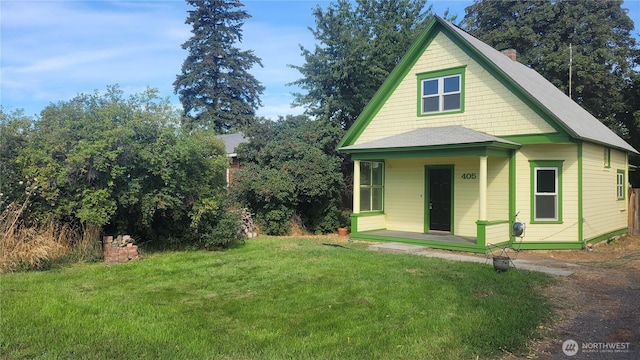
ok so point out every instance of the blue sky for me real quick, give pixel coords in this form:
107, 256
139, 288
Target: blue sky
52, 50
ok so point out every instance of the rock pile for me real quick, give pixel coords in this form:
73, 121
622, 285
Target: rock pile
247, 227
119, 250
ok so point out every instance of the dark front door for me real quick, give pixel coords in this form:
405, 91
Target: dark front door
439, 199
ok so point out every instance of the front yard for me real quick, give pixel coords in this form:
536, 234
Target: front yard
271, 298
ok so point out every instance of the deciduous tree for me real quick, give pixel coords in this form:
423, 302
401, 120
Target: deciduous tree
599, 33
358, 46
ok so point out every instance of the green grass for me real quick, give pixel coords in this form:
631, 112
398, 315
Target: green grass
272, 298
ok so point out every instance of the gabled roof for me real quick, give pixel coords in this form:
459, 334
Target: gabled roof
231, 142
559, 108
429, 137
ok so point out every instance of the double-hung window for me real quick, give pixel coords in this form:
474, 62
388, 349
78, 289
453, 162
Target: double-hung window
546, 191
620, 184
371, 185
441, 91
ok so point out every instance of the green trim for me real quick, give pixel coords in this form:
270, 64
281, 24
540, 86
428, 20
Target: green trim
436, 26
556, 245
391, 83
455, 150
367, 213
354, 224
460, 70
534, 139
451, 167
580, 194
481, 232
624, 182
493, 222
552, 164
427, 243
512, 192
608, 235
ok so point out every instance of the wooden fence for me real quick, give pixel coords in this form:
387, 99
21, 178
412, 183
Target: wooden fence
634, 211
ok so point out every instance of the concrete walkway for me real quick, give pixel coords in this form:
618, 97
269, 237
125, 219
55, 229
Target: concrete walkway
556, 268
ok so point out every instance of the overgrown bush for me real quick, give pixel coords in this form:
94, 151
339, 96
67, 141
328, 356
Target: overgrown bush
227, 231
289, 168
125, 165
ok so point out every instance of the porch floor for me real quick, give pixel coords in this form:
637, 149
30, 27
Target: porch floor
430, 236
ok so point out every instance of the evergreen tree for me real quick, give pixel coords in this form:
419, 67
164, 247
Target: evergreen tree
358, 46
215, 87
541, 31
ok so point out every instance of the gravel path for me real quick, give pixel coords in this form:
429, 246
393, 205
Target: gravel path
598, 307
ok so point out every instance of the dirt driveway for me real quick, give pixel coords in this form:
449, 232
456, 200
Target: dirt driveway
598, 307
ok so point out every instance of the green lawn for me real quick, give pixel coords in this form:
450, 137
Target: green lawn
273, 298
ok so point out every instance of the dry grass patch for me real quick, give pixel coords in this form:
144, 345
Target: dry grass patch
38, 245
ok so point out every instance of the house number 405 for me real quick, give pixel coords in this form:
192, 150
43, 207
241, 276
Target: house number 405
469, 176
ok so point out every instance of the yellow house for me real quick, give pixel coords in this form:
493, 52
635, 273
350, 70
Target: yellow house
462, 139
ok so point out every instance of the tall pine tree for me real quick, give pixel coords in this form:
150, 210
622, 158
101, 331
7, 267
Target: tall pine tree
215, 87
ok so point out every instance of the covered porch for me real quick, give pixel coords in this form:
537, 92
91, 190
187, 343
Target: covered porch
445, 187
440, 240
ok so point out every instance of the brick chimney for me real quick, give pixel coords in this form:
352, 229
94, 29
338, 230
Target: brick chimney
511, 53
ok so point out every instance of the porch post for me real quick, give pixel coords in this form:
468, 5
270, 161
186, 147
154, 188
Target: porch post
356, 186
482, 191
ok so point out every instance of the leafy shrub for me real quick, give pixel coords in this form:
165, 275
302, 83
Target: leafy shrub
125, 165
290, 167
227, 230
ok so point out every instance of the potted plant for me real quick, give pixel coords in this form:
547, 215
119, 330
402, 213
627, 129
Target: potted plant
345, 218
343, 231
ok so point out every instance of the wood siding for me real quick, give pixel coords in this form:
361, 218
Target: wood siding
602, 211
404, 195
489, 106
567, 230
374, 222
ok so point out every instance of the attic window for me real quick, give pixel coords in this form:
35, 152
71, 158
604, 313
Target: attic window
441, 91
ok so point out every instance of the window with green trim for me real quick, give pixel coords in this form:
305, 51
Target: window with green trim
546, 191
441, 91
607, 157
371, 185
620, 184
